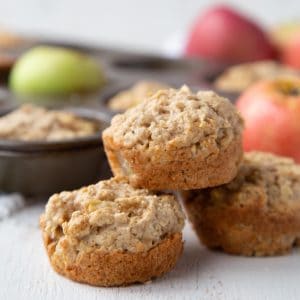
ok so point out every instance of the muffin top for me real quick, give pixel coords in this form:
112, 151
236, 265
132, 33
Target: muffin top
239, 77
135, 95
111, 215
32, 123
264, 180
174, 119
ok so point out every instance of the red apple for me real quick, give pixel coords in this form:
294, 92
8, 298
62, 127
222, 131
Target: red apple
225, 35
271, 110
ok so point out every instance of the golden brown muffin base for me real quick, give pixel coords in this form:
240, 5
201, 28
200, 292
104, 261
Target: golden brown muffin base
101, 268
249, 231
177, 169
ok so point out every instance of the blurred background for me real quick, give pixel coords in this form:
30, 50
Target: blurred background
104, 57
148, 26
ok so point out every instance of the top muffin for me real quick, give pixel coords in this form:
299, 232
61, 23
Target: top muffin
177, 133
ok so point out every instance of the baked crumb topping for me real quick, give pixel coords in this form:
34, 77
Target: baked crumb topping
32, 123
111, 215
263, 179
135, 95
176, 119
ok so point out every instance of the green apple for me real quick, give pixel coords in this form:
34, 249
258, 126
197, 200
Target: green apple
50, 71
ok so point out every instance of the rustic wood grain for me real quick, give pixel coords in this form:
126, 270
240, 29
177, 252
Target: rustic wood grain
201, 274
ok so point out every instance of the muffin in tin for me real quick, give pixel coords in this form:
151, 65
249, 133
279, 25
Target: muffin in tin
256, 214
176, 140
135, 95
33, 123
110, 234
237, 78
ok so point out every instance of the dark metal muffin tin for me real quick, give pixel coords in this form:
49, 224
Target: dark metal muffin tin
42, 168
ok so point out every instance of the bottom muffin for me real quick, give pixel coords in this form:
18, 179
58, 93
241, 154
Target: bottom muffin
256, 214
110, 234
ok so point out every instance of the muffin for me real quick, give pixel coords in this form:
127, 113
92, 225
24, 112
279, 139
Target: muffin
34, 123
237, 78
176, 140
110, 234
135, 95
256, 214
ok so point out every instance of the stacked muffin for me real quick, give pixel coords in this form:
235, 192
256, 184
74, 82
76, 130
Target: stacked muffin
126, 230
176, 140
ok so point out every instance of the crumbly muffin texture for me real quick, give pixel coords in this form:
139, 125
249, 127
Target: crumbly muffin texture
171, 118
110, 216
135, 95
239, 77
258, 213
176, 140
276, 178
32, 123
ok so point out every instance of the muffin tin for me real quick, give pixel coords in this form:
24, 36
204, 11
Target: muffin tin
38, 169
42, 168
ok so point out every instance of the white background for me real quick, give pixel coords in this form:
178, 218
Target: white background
130, 24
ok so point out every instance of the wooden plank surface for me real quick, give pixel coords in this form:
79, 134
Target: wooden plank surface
200, 274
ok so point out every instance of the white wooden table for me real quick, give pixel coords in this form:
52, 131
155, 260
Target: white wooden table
200, 274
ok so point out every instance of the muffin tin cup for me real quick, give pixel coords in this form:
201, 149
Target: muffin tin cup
39, 169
